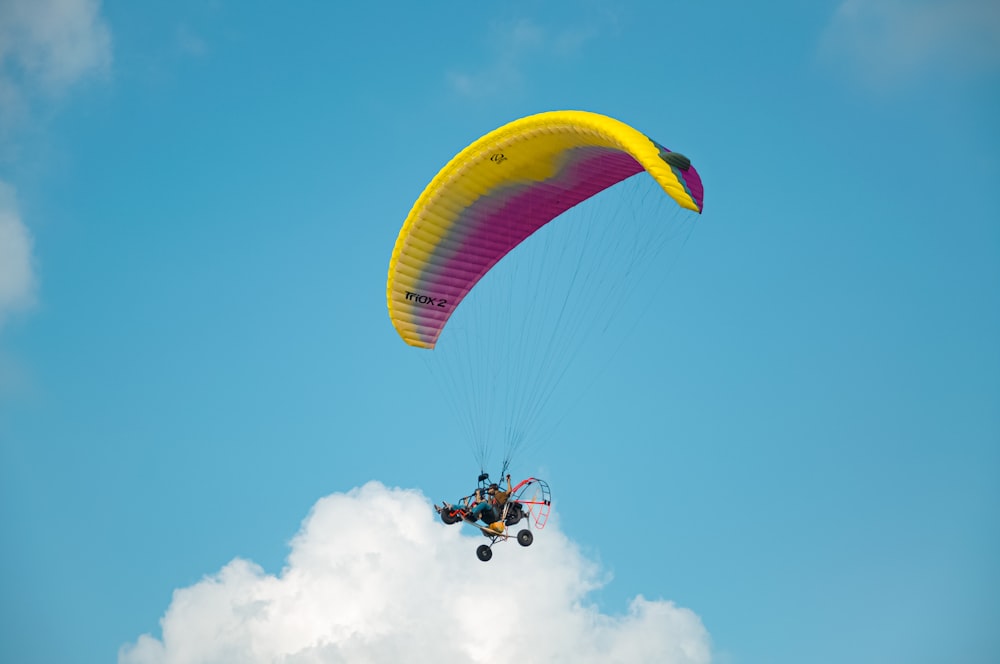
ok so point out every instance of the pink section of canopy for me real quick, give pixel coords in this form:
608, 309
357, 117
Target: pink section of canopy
488, 229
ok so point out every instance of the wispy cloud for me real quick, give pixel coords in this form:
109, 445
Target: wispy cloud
891, 41
374, 577
17, 280
189, 42
512, 46
48, 45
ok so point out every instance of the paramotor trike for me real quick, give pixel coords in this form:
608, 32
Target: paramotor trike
528, 501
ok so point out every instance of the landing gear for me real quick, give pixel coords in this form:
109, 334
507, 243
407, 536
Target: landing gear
525, 538
484, 552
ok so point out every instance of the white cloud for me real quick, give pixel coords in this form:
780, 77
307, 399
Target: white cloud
892, 40
46, 46
373, 576
17, 282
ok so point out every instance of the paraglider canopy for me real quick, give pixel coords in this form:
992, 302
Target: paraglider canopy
500, 190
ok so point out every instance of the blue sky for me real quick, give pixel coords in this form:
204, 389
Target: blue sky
794, 458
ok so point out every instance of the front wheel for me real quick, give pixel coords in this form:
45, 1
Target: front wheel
484, 552
449, 518
525, 538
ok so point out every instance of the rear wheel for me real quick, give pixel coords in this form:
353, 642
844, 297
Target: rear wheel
525, 538
484, 552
